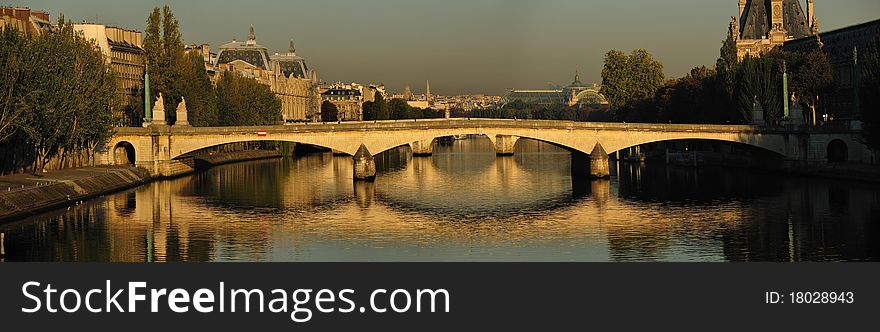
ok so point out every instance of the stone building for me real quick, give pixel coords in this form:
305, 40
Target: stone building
842, 46
574, 94
348, 99
123, 50
765, 24
31, 22
286, 75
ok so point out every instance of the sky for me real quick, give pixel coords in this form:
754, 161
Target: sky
461, 46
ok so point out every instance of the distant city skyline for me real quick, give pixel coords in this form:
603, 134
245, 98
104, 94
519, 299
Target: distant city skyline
462, 47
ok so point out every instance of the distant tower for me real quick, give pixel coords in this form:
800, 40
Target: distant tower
291, 49
428, 91
407, 92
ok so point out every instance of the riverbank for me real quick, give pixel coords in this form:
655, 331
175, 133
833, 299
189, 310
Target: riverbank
27, 194
23, 195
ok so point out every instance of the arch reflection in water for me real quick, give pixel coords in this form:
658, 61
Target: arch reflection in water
461, 204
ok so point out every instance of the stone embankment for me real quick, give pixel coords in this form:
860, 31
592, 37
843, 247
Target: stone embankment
22, 195
26, 194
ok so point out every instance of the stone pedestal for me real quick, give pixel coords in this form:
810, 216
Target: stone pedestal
599, 163
757, 114
504, 145
364, 165
422, 148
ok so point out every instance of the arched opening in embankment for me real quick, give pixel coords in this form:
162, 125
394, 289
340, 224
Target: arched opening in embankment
124, 154
837, 151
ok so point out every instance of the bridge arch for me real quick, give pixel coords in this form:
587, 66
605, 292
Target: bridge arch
758, 146
124, 153
196, 148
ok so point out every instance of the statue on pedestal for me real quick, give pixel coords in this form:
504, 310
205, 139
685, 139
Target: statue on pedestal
159, 111
181, 114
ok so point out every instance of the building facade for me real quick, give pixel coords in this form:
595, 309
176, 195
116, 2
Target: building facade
576, 94
31, 22
348, 99
122, 48
766, 24
842, 46
287, 76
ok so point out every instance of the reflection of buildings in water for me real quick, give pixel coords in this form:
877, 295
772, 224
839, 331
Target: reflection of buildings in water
812, 220
421, 209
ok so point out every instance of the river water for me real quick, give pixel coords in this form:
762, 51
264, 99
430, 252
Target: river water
462, 204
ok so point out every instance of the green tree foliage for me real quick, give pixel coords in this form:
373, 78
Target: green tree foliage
518, 109
760, 80
690, 99
615, 80
870, 94
727, 67
329, 112
630, 83
13, 48
243, 101
201, 101
380, 108
396, 109
64, 96
811, 76
369, 110
163, 47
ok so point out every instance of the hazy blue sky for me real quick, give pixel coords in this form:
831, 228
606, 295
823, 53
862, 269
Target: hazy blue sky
462, 46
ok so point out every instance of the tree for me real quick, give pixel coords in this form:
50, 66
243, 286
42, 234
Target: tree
329, 112
812, 77
201, 102
399, 109
760, 79
615, 80
164, 52
727, 66
153, 52
369, 110
12, 55
68, 93
243, 101
647, 75
631, 82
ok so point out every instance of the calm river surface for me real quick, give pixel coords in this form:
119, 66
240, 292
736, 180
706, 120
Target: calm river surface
462, 204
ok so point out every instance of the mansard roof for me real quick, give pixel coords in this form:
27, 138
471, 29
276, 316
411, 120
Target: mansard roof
756, 20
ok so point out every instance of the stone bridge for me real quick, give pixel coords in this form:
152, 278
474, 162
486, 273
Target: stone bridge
160, 148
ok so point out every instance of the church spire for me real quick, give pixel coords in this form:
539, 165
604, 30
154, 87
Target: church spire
291, 49
251, 35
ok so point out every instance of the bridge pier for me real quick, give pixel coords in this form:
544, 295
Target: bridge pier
504, 144
422, 148
364, 165
599, 162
